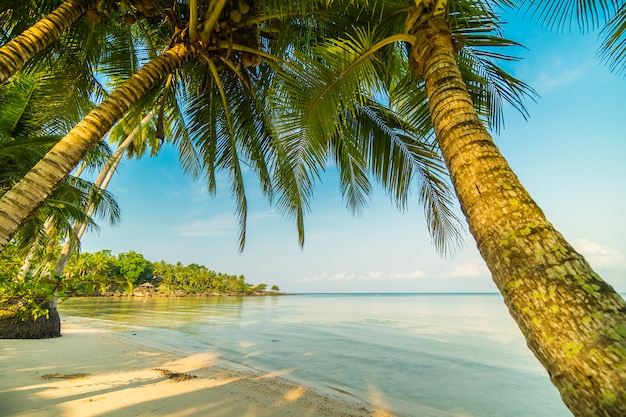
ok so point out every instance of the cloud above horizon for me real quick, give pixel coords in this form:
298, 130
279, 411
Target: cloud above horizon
216, 226
370, 276
599, 255
471, 269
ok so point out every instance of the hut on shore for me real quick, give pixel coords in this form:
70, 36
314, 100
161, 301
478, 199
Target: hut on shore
145, 290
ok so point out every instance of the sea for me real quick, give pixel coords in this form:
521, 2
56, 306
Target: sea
414, 355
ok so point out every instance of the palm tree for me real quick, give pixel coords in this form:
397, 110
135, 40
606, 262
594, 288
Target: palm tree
27, 44
102, 182
225, 62
573, 321
138, 130
22, 142
74, 146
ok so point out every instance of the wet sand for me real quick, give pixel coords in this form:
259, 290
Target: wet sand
90, 372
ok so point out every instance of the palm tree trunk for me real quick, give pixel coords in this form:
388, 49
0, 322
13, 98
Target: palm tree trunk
43, 327
572, 320
28, 194
101, 182
19, 50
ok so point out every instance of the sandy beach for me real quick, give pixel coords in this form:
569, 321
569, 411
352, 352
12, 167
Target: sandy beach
90, 372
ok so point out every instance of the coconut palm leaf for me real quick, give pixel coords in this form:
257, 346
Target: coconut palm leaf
613, 50
588, 15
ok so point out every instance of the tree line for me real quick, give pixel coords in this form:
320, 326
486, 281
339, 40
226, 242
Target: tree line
102, 273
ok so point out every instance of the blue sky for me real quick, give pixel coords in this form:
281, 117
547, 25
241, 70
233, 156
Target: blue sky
569, 155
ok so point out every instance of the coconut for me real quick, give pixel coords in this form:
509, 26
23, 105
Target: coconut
244, 6
94, 16
236, 16
129, 19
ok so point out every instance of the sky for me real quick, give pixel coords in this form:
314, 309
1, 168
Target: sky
570, 155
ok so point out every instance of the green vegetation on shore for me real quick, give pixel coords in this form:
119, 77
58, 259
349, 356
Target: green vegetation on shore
102, 273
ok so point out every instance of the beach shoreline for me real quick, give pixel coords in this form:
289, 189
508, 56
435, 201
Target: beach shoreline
95, 372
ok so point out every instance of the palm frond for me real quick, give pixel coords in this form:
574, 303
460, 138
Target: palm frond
613, 50
402, 155
104, 205
491, 87
559, 15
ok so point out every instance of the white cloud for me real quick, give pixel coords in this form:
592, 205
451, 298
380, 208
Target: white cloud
217, 226
370, 276
597, 254
471, 269
265, 214
409, 275
558, 73
548, 82
343, 276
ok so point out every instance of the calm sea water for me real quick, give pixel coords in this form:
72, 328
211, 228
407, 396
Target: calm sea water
418, 355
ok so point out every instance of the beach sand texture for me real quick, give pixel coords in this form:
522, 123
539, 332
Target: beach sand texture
89, 372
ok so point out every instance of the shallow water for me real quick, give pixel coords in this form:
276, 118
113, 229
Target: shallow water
413, 354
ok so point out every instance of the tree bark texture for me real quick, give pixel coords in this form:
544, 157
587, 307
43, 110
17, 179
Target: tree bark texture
24, 46
30, 192
572, 320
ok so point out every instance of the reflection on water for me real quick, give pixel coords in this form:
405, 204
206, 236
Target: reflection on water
444, 355
165, 312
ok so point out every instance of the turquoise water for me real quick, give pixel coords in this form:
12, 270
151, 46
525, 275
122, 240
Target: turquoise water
417, 355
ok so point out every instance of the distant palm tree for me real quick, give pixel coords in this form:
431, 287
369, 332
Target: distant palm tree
573, 321
102, 182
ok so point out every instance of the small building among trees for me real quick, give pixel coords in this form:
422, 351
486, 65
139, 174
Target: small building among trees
145, 290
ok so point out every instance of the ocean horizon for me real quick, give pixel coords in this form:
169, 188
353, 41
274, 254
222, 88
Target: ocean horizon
413, 354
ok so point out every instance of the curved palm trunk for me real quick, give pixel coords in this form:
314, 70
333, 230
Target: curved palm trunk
101, 182
27, 195
572, 320
79, 228
19, 50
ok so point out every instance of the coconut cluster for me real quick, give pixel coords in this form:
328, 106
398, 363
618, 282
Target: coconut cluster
236, 26
143, 9
133, 10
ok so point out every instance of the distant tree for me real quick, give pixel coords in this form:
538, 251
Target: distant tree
91, 273
194, 279
275, 288
259, 287
134, 268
